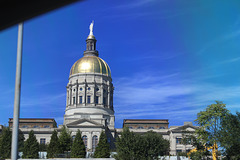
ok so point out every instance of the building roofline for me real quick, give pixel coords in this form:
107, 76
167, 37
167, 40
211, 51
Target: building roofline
146, 119
35, 118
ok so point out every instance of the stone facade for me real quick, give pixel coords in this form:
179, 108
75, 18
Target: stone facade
42, 127
34, 123
175, 138
146, 123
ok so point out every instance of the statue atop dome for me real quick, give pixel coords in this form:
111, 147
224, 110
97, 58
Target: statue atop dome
91, 28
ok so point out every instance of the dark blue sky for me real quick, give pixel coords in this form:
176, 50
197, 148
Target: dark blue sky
169, 59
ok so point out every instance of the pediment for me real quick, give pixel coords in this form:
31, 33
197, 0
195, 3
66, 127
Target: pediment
189, 128
85, 123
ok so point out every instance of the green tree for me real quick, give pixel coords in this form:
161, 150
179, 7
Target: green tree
103, 148
230, 136
190, 137
78, 149
132, 146
201, 151
197, 155
65, 140
21, 139
43, 147
154, 145
128, 146
5, 143
210, 122
53, 147
31, 146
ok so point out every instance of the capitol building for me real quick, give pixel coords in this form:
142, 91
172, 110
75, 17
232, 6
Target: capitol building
90, 108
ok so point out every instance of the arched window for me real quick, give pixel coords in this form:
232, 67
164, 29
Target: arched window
150, 127
161, 127
140, 127
94, 142
130, 127
84, 138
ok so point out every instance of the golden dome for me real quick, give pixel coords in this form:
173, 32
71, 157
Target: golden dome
90, 64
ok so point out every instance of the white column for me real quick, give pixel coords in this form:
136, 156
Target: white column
69, 101
172, 144
76, 99
70, 95
109, 97
67, 98
94, 94
101, 97
85, 93
90, 141
101, 90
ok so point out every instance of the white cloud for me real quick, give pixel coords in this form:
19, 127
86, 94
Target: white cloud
42, 100
220, 40
150, 89
161, 14
156, 93
230, 60
169, 96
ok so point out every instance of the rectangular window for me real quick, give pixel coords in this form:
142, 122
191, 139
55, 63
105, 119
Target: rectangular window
42, 141
104, 100
178, 140
88, 99
97, 98
80, 99
74, 100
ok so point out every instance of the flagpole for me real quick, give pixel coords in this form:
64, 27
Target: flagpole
14, 153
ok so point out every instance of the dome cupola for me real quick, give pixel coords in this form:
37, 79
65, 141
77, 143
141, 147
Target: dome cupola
90, 62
